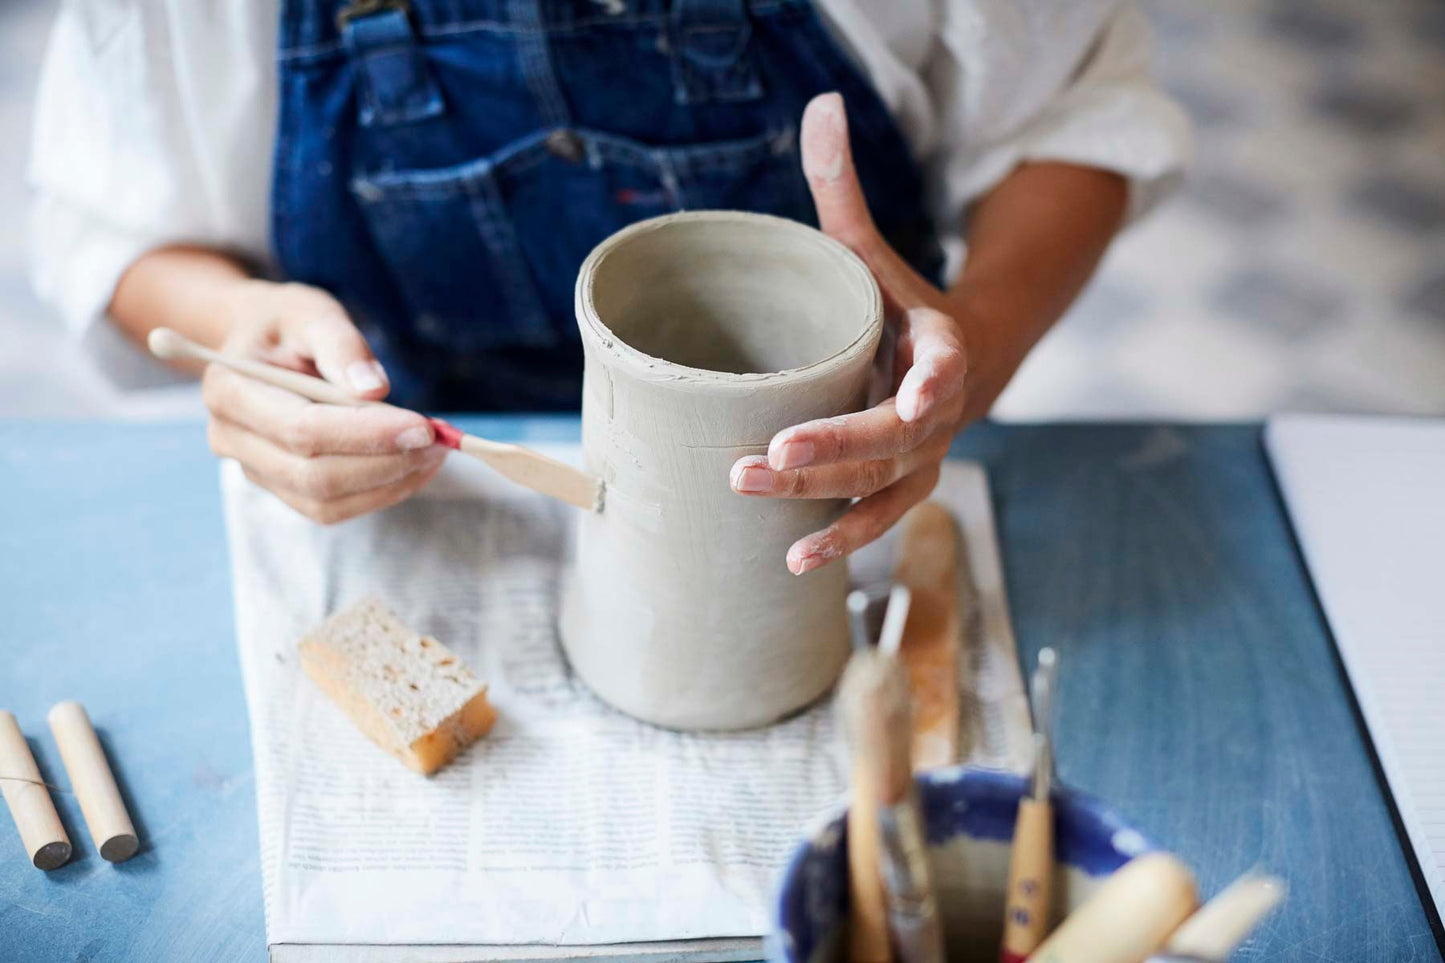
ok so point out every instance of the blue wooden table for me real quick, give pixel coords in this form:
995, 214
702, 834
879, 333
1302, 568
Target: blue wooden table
1201, 693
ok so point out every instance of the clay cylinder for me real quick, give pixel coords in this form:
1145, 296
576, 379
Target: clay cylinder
705, 334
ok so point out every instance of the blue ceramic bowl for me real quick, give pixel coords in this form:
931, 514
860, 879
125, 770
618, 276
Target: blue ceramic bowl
970, 817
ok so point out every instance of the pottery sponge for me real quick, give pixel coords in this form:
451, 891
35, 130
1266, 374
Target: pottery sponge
410, 694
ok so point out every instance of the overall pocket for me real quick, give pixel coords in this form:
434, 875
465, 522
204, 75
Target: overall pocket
585, 185
486, 254
454, 256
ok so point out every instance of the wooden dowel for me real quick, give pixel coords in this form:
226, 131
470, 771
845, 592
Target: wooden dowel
1223, 922
93, 783
40, 829
1128, 917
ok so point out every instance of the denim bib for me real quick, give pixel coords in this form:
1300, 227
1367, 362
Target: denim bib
444, 166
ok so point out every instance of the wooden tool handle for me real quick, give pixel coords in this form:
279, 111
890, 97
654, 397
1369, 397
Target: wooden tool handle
168, 344
932, 646
867, 903
1128, 917
40, 829
1224, 922
93, 782
1030, 881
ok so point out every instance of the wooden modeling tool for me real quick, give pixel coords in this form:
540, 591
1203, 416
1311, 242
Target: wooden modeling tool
1224, 922
932, 645
868, 921
526, 467
1128, 917
1029, 897
44, 837
94, 784
876, 705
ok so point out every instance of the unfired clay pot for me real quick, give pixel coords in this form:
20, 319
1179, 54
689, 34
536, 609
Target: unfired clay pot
706, 333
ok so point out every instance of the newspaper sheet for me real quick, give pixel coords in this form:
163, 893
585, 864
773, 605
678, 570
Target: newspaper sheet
570, 824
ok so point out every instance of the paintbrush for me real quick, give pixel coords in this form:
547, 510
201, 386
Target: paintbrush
876, 704
1029, 896
526, 467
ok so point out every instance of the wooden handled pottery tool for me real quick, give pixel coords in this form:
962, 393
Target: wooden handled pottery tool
1224, 922
527, 468
876, 704
1029, 897
1128, 917
930, 563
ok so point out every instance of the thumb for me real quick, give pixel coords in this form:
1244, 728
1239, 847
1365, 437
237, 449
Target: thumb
842, 208
342, 356
828, 166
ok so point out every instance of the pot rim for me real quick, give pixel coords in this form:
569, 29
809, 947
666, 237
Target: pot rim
651, 368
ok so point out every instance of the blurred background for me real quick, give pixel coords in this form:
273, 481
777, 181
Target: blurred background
1301, 268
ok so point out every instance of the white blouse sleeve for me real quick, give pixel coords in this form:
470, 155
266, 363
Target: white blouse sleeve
141, 106
1073, 85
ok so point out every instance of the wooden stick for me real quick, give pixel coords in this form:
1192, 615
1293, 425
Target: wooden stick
1128, 917
1224, 922
526, 467
1028, 908
876, 705
94, 784
932, 644
1028, 899
30, 806
868, 911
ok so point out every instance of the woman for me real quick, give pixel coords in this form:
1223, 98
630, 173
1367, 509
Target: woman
425, 177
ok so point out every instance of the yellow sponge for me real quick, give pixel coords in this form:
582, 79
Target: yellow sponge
408, 693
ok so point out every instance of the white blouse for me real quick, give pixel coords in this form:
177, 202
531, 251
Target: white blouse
155, 117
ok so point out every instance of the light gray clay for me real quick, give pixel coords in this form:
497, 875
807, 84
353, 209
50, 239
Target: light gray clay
705, 333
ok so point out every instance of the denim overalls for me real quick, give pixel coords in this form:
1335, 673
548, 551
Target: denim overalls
444, 166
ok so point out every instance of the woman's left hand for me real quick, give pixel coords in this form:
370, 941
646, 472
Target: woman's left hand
945, 375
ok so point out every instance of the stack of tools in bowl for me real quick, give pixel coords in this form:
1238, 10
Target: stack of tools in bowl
973, 865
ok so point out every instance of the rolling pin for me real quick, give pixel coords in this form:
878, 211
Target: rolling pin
526, 467
35, 817
1128, 918
93, 782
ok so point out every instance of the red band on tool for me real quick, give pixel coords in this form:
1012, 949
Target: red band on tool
448, 435
1006, 956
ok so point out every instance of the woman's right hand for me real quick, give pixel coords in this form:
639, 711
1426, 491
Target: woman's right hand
329, 462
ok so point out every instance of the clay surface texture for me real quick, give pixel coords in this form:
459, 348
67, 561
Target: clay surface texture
706, 333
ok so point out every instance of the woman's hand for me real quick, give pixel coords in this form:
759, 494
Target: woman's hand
946, 373
328, 462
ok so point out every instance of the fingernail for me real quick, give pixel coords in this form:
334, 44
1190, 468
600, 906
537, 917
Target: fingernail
366, 376
907, 406
805, 564
752, 478
792, 454
808, 563
417, 436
